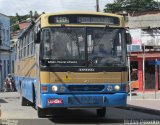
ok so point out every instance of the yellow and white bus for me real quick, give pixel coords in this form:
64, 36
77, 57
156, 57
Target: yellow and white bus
73, 60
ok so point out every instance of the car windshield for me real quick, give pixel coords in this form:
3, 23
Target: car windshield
82, 47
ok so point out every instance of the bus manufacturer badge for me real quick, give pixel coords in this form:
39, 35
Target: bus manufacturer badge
86, 69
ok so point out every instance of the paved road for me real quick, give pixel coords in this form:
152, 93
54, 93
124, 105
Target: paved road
14, 113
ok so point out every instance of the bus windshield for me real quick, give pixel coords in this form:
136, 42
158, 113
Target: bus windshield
105, 46
83, 46
64, 46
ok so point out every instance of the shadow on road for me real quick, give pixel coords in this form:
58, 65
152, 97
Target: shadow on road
89, 117
86, 121
3, 101
141, 109
78, 116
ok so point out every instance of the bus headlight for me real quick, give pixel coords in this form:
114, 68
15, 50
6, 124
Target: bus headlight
54, 88
117, 87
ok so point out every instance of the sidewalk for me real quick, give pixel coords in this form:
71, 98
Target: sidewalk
145, 106
149, 104
144, 96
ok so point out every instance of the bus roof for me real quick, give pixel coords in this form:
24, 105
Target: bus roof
81, 12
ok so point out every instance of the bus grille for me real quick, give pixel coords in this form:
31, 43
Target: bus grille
86, 87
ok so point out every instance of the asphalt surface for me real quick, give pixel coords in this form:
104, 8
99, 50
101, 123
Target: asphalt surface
136, 112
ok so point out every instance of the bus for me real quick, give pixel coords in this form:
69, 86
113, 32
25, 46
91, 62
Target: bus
73, 60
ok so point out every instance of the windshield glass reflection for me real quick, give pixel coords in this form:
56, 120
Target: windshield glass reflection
67, 47
104, 46
64, 46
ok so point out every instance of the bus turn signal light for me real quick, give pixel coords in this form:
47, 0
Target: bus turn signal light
44, 88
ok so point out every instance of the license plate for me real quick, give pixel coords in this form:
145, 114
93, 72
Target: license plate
54, 101
85, 100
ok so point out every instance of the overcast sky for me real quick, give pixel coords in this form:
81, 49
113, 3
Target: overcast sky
22, 7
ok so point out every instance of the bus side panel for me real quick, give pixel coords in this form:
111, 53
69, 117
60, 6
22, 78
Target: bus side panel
17, 83
28, 87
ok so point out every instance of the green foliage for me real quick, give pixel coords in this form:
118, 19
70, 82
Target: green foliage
30, 14
18, 17
36, 15
14, 20
131, 6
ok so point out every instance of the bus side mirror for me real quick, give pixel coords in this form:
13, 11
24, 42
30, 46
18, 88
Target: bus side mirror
128, 38
37, 37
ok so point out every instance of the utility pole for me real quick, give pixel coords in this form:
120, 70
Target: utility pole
158, 5
143, 56
97, 5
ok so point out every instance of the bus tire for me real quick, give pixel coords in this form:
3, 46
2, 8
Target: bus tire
41, 112
101, 112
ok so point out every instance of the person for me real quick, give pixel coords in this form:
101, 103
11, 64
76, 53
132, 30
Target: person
134, 73
9, 83
97, 57
102, 49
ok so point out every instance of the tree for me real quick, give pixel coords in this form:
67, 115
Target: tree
36, 15
131, 6
18, 17
13, 22
30, 14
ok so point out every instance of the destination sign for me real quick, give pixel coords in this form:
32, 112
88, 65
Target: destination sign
107, 20
83, 19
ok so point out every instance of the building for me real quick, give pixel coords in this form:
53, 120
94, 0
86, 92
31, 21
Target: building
145, 33
14, 39
6, 58
15, 34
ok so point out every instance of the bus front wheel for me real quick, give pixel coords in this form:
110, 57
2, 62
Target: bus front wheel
41, 112
101, 112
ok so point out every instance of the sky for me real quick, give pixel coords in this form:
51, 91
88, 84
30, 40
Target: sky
22, 7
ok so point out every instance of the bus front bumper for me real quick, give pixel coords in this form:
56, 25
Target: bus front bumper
83, 100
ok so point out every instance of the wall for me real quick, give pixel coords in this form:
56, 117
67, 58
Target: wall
5, 57
148, 37
151, 39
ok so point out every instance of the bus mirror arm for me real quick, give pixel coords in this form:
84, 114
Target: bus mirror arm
37, 37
